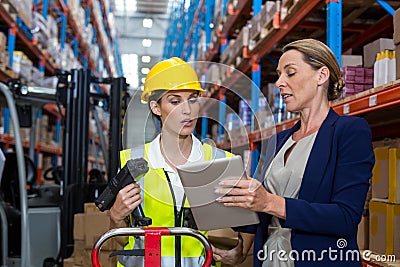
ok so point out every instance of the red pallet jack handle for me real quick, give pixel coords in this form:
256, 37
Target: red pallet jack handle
152, 236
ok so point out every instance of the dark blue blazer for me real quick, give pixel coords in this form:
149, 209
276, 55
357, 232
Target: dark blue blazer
325, 217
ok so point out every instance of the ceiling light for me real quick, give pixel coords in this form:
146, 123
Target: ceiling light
146, 42
145, 71
187, 4
146, 59
147, 23
143, 80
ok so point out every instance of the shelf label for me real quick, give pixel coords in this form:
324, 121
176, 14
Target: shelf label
283, 127
346, 108
372, 100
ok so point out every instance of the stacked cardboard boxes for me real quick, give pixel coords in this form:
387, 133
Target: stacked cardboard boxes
357, 79
4, 56
373, 48
88, 227
384, 207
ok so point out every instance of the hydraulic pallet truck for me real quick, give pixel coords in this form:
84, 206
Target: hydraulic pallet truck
152, 235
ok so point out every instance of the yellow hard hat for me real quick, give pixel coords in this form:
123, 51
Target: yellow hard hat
170, 74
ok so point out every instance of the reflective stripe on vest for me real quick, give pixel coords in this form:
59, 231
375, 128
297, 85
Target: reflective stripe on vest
158, 204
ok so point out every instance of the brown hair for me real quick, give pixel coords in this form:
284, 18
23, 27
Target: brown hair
318, 55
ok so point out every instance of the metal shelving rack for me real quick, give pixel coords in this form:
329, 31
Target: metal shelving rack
373, 100
68, 32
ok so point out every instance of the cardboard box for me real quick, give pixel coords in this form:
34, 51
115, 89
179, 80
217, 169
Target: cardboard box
96, 224
3, 41
377, 227
79, 251
396, 27
223, 238
394, 175
352, 60
363, 233
393, 230
384, 235
380, 173
397, 49
79, 226
70, 262
91, 208
371, 49
105, 260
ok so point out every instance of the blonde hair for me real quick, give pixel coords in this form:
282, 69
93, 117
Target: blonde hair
318, 55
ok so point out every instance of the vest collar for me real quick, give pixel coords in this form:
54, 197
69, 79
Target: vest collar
156, 159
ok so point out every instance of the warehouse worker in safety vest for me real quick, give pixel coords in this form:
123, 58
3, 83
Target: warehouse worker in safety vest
171, 90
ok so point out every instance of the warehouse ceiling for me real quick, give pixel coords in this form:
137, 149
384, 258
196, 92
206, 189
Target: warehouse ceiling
144, 6
152, 6
141, 25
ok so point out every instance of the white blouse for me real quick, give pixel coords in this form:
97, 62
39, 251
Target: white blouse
284, 179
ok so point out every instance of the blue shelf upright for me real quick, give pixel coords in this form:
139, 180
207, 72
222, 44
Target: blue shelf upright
255, 93
334, 28
12, 31
174, 28
208, 14
181, 29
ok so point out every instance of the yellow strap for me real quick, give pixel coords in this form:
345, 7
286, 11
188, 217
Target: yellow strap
158, 205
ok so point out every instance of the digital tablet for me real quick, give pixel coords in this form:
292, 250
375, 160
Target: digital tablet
200, 180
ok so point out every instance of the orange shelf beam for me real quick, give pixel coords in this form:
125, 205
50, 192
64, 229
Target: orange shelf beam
371, 100
9, 140
374, 99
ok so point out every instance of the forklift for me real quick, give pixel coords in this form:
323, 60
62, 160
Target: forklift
37, 230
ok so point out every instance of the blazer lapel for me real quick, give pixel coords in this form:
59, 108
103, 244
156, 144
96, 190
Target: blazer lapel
318, 159
283, 138
275, 143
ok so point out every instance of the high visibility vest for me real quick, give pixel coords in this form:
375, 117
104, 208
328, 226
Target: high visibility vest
158, 204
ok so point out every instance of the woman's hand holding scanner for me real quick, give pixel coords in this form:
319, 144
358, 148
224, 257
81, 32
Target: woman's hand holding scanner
233, 256
128, 199
250, 194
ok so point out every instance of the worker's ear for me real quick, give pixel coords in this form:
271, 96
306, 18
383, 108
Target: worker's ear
155, 108
323, 75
